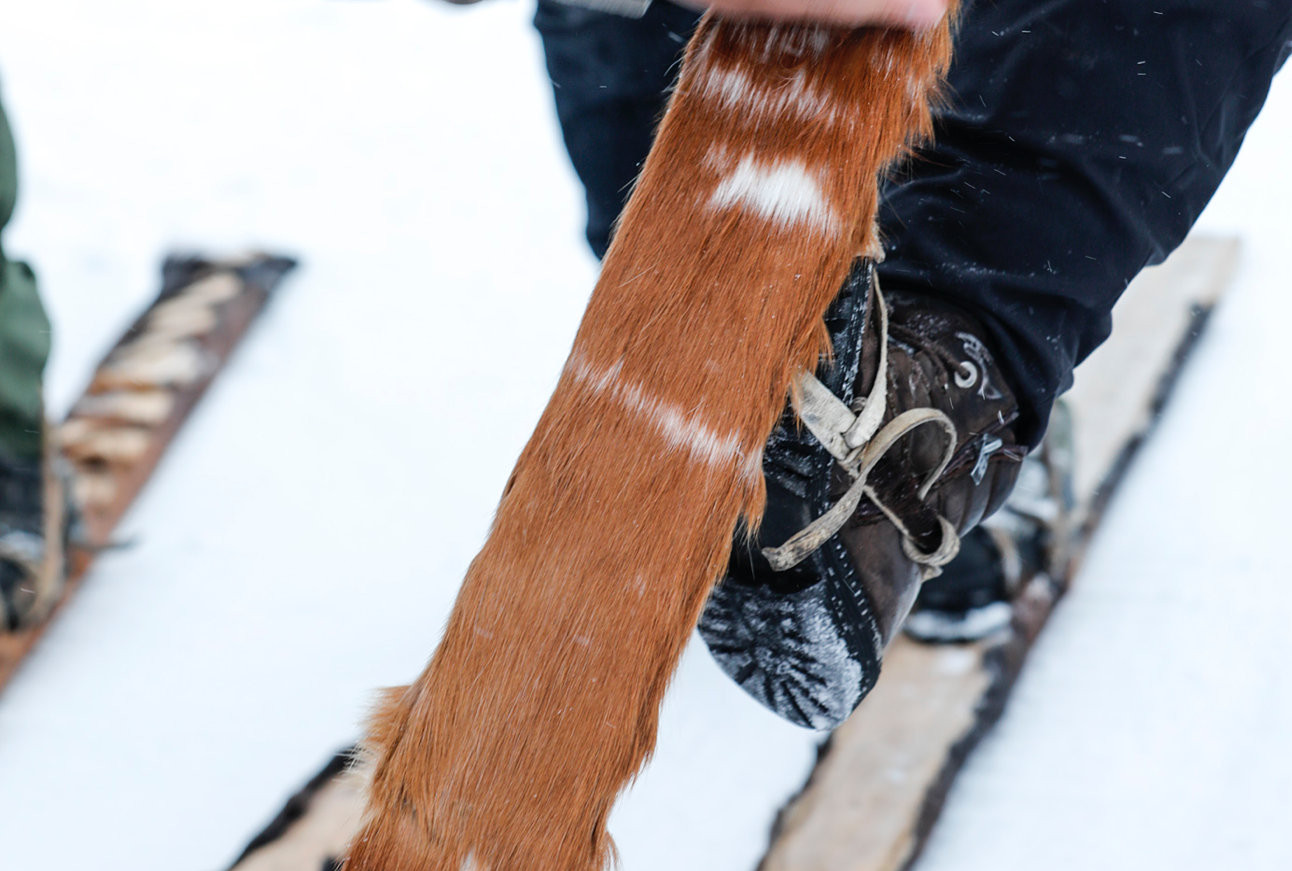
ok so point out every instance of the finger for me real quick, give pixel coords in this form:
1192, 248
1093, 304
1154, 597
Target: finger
914, 14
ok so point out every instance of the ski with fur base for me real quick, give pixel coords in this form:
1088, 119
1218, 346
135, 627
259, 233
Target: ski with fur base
139, 397
861, 810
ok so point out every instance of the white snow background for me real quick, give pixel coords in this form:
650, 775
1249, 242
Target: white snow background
301, 544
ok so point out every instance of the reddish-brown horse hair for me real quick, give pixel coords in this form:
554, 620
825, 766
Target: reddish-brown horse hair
542, 700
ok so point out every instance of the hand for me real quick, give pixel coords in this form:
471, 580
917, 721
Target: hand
915, 14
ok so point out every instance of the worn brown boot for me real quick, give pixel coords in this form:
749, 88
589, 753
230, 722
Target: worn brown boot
901, 442
1032, 534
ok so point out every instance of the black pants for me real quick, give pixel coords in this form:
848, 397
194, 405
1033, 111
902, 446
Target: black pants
1082, 141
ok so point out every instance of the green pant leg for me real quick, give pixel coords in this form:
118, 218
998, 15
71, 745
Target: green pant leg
24, 329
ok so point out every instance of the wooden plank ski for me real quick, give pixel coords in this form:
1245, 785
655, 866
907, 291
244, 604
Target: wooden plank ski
314, 826
140, 395
875, 793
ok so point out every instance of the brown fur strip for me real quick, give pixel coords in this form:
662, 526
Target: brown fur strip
542, 700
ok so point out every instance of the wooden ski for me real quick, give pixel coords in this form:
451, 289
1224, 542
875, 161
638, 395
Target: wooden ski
139, 396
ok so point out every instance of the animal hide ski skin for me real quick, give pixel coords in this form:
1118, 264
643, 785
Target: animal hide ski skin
541, 702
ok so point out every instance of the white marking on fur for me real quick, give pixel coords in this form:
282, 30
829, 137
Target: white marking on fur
796, 40
773, 39
819, 40
885, 61
798, 94
734, 90
680, 430
753, 468
731, 87
717, 158
785, 194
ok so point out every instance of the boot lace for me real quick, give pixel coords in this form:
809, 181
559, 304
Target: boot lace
858, 443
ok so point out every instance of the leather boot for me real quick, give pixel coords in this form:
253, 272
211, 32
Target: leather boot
902, 441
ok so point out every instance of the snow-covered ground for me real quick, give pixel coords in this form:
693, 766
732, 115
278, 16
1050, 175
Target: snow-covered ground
302, 542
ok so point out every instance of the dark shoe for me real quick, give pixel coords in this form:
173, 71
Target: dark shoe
1030, 536
866, 498
972, 599
33, 538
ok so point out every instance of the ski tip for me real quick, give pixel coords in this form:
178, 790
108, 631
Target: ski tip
258, 268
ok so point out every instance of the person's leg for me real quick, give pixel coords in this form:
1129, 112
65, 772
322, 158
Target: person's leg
32, 523
24, 330
1081, 142
610, 76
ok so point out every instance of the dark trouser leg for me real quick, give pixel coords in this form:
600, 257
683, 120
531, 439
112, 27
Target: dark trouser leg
609, 75
1083, 139
24, 331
